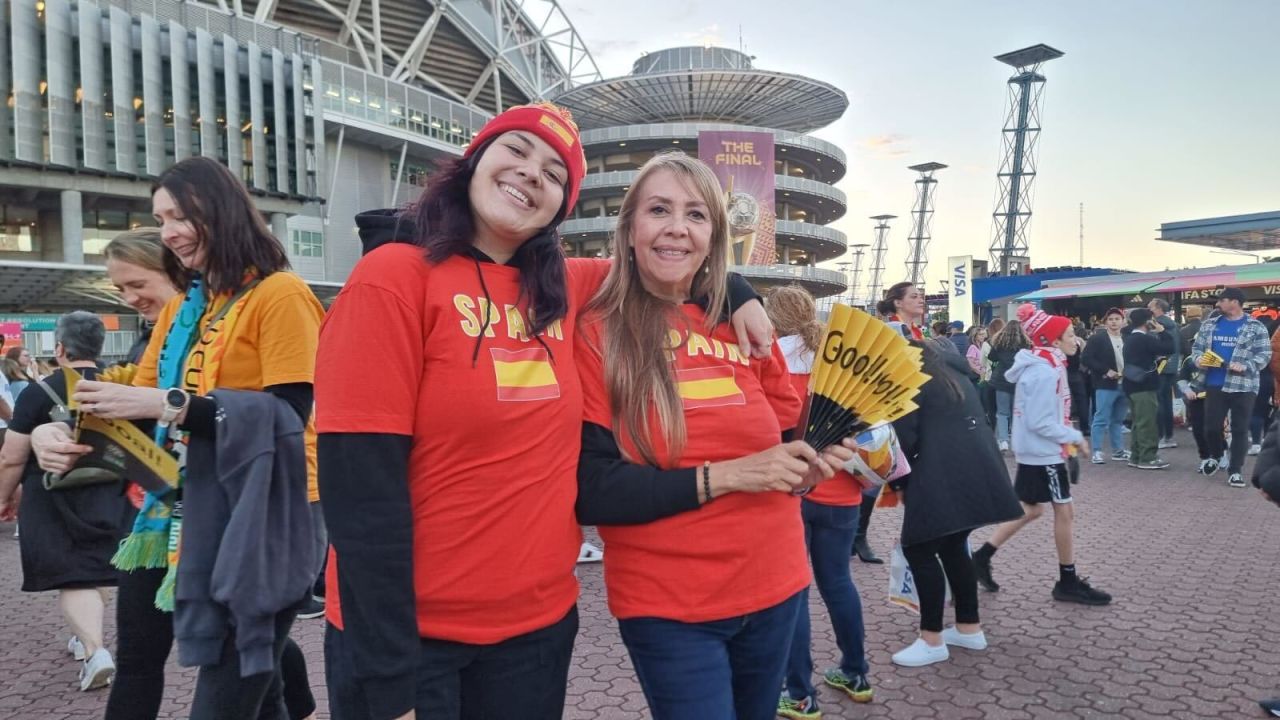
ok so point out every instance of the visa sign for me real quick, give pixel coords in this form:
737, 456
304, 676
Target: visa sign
959, 302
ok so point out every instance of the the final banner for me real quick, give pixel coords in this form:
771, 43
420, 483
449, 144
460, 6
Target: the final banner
743, 161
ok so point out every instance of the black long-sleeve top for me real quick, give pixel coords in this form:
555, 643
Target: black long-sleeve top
1143, 350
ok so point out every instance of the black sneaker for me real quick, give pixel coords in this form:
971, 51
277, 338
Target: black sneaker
982, 568
313, 609
1271, 706
1079, 592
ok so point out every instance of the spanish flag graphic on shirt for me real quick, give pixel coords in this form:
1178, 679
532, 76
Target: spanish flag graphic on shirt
524, 375
709, 387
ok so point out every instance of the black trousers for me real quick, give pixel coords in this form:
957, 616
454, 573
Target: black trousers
522, 678
1195, 418
928, 561
221, 694
1217, 405
144, 639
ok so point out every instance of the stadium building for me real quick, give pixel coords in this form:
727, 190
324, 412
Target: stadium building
715, 104
324, 108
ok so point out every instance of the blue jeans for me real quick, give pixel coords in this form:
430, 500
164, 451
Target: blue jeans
727, 669
1109, 410
828, 530
1004, 411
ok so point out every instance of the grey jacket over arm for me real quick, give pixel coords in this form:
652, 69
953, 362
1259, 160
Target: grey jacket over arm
247, 550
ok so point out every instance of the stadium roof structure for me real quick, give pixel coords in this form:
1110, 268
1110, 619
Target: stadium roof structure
1243, 233
489, 54
705, 84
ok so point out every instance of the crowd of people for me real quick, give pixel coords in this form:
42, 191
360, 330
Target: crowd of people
522, 396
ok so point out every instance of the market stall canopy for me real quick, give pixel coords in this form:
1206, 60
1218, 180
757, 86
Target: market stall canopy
1256, 232
1113, 285
1182, 281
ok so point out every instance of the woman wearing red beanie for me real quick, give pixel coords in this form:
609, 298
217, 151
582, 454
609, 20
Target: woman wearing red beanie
448, 478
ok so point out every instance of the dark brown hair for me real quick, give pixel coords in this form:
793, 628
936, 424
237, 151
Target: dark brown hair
893, 294
445, 227
228, 226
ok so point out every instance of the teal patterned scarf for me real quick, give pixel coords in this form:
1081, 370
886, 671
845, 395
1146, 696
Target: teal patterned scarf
158, 525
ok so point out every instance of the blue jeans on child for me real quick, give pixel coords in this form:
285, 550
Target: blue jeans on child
1109, 410
727, 669
828, 530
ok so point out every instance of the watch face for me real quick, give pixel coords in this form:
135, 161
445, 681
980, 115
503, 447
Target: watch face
175, 398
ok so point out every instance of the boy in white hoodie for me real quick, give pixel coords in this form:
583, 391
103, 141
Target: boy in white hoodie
1043, 439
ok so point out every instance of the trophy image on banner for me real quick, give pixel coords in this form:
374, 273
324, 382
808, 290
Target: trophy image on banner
865, 374
121, 450
744, 219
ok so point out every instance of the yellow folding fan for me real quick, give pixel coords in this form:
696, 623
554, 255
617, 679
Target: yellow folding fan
865, 373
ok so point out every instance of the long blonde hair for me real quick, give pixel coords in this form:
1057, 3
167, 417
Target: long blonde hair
637, 347
792, 311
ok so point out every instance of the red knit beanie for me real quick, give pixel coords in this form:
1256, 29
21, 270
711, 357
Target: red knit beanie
1045, 329
553, 124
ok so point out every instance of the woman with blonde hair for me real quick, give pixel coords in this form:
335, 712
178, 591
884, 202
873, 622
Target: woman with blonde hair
683, 466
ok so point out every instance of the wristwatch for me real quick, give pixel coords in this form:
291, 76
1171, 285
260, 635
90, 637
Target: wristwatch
175, 401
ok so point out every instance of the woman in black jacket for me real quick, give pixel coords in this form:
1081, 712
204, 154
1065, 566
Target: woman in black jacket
958, 482
1102, 357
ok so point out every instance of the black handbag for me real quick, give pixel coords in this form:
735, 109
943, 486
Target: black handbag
81, 475
1135, 373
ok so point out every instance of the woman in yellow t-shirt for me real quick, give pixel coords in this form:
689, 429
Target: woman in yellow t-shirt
244, 323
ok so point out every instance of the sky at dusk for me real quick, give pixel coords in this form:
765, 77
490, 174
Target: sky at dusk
1161, 110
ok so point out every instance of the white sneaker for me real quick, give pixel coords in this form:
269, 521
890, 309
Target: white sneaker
1098, 458
76, 648
1004, 446
921, 653
98, 671
1254, 449
969, 641
589, 553
1167, 443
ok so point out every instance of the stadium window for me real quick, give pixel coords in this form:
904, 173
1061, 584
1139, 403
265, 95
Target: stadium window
306, 243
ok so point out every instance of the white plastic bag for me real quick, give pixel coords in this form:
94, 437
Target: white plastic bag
902, 586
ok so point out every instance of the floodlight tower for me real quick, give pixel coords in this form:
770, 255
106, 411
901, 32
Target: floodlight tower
1018, 168
859, 251
921, 218
877, 258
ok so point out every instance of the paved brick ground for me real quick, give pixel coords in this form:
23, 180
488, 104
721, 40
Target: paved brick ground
1192, 563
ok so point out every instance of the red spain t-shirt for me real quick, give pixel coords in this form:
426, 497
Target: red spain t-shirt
740, 553
493, 469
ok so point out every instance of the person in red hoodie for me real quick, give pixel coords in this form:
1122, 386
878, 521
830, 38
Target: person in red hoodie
830, 513
683, 465
448, 476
